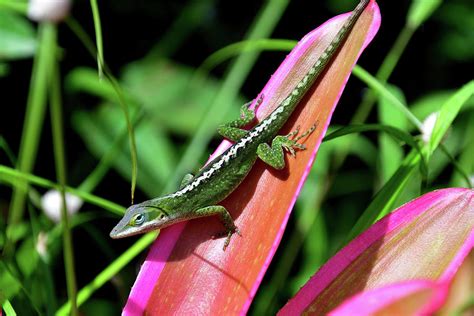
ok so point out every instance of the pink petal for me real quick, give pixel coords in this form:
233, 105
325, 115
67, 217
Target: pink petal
186, 272
425, 239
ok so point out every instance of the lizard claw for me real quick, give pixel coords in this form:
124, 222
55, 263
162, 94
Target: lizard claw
228, 235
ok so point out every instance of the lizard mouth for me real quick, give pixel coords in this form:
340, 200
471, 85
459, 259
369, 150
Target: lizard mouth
121, 230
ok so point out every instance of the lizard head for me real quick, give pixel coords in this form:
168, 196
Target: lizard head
141, 218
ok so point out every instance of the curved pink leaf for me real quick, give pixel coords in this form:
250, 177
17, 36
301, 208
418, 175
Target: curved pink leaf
186, 272
425, 240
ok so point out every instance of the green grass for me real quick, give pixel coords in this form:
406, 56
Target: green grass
143, 124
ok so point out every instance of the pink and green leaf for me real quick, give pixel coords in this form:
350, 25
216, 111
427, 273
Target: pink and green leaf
187, 271
407, 262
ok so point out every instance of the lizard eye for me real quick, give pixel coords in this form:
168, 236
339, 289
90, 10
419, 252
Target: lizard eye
138, 219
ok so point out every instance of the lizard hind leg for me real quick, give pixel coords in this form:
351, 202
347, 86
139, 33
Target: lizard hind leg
274, 155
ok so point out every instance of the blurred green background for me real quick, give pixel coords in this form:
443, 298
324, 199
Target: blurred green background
155, 49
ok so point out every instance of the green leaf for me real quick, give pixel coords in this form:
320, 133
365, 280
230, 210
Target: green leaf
381, 89
420, 11
386, 198
390, 154
16, 178
448, 113
85, 80
8, 308
392, 131
100, 129
158, 86
17, 36
9, 285
27, 257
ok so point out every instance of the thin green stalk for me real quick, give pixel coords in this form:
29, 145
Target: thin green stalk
15, 276
131, 134
380, 88
263, 27
382, 75
94, 178
21, 177
81, 34
8, 308
60, 163
87, 42
465, 159
386, 197
10, 155
34, 118
111, 270
229, 51
98, 37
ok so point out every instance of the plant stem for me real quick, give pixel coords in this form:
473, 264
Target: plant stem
34, 118
29, 178
111, 270
60, 163
98, 37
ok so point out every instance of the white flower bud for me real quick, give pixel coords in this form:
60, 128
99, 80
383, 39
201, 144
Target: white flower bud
42, 245
51, 203
48, 10
427, 126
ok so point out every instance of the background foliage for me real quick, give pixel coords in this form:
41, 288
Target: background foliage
156, 52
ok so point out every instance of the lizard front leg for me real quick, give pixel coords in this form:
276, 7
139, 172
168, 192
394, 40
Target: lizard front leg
233, 130
274, 155
225, 218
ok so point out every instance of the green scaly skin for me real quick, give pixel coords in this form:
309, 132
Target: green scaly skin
198, 196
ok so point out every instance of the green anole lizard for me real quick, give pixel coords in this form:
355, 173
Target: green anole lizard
199, 195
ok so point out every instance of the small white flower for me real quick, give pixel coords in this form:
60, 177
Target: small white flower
51, 203
42, 245
428, 125
48, 10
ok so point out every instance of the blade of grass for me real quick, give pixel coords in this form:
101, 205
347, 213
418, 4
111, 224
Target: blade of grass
419, 12
4, 146
94, 177
8, 308
110, 271
465, 160
385, 198
60, 164
448, 113
103, 69
380, 88
90, 198
131, 138
34, 118
396, 133
457, 166
390, 153
98, 37
14, 274
229, 51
